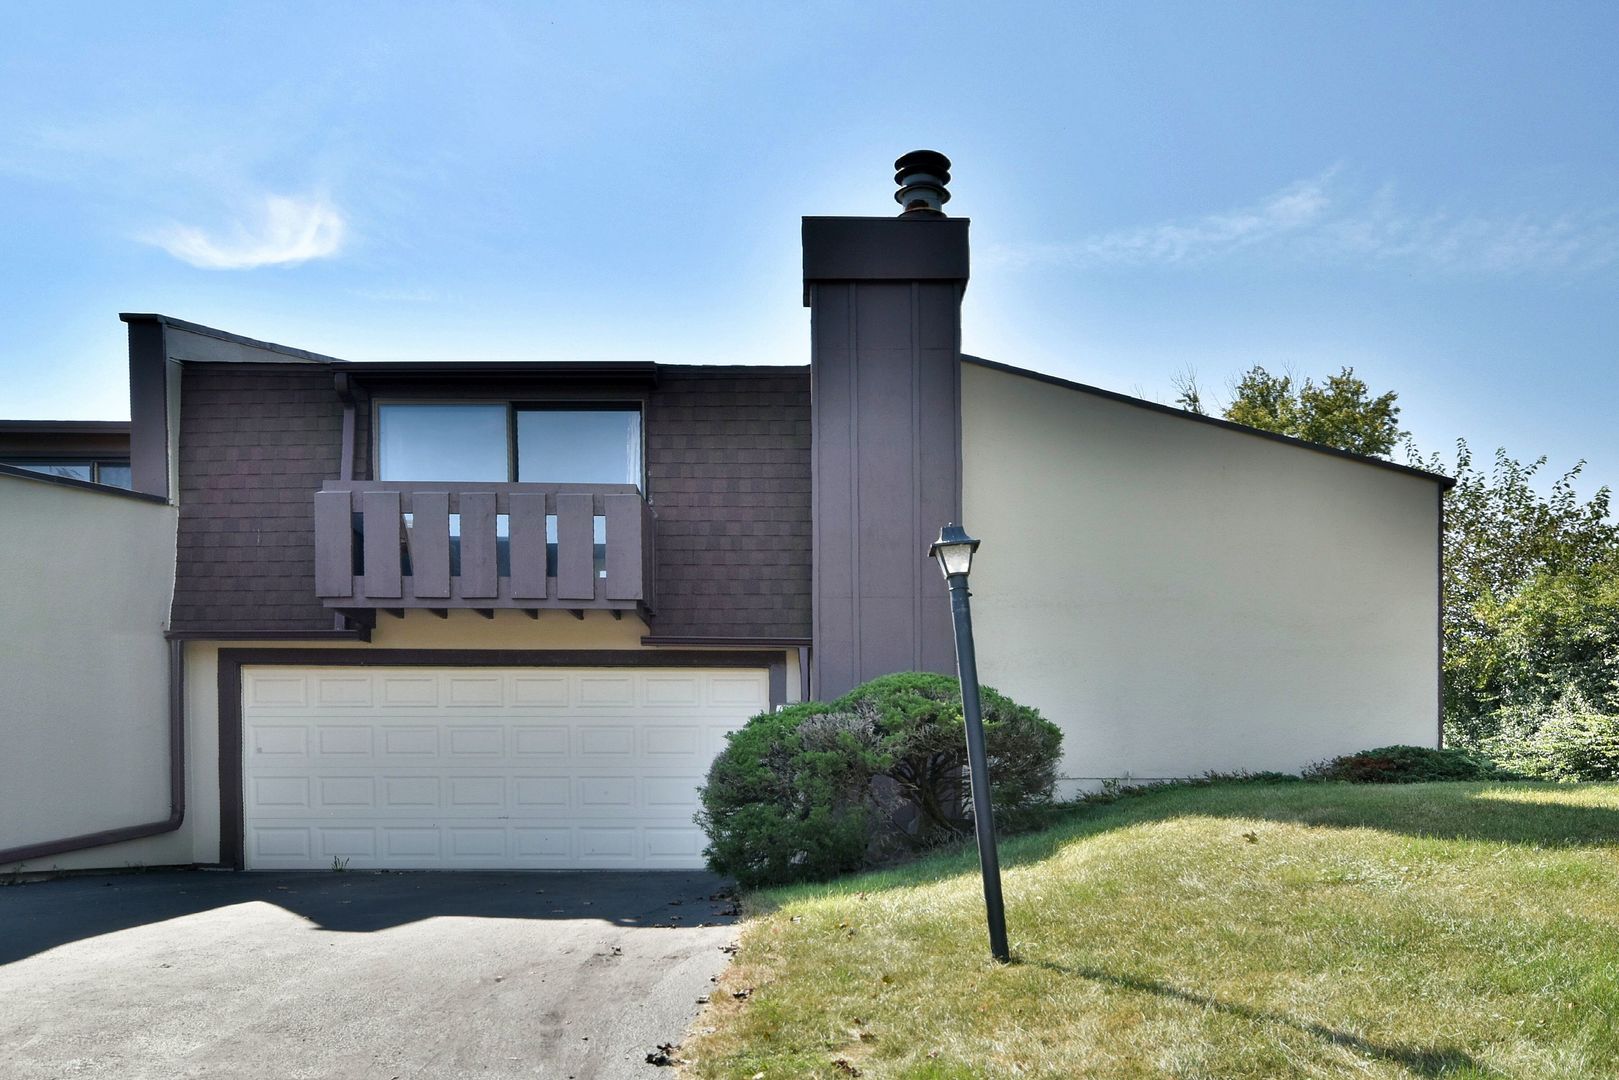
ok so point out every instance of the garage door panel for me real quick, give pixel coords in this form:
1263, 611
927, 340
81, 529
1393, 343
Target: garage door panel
343, 691
425, 769
531, 741
419, 691
343, 741
345, 792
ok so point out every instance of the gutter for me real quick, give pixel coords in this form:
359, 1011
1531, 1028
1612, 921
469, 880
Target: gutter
177, 785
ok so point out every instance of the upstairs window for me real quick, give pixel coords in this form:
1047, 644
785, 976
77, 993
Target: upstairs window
443, 442
584, 444
579, 446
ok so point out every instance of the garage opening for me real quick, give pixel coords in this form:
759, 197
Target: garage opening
416, 768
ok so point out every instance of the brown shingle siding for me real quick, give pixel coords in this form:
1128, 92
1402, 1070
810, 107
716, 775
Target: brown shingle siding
728, 469
728, 474
254, 447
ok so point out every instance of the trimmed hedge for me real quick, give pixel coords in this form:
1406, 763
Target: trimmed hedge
1404, 765
823, 788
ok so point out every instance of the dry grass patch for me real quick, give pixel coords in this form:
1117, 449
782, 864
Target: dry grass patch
1455, 930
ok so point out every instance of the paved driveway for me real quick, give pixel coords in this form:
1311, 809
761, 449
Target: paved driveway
354, 975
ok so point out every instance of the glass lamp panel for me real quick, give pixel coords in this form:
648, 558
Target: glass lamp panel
442, 443
955, 558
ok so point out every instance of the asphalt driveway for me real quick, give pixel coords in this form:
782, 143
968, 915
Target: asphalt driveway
354, 975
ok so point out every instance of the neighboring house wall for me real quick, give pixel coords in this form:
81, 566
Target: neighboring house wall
84, 672
1181, 597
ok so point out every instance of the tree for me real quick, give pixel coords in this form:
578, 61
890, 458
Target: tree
1340, 412
1531, 610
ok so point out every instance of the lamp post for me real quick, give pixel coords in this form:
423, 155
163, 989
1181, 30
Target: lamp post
954, 550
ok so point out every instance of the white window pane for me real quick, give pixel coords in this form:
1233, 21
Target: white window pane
442, 442
579, 446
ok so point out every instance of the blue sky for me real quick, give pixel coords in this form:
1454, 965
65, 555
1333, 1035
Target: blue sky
1429, 193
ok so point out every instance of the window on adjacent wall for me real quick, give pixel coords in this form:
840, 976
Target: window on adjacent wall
592, 444
111, 473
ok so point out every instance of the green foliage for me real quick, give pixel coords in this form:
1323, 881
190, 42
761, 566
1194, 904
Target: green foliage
1531, 607
1340, 412
1404, 765
1570, 740
792, 797
924, 739
788, 797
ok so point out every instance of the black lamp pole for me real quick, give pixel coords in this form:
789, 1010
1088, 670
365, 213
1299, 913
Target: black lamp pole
954, 550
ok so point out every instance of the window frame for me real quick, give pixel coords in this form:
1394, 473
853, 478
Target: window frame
33, 462
560, 402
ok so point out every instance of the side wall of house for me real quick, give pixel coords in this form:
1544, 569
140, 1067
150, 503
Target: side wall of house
1181, 597
84, 670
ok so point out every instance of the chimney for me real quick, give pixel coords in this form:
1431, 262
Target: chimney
885, 372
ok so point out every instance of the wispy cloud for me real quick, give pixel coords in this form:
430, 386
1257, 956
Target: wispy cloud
284, 231
1320, 221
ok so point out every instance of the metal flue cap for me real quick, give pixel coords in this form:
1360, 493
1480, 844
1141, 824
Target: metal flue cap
922, 176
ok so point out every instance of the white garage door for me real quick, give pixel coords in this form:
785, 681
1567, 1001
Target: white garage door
479, 768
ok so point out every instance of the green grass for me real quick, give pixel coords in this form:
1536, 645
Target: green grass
1310, 930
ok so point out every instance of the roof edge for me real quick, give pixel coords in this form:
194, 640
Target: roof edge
1445, 482
227, 336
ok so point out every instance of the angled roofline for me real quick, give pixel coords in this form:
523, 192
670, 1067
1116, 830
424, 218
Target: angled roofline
1445, 482
227, 336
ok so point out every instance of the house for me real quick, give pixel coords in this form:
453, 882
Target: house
441, 615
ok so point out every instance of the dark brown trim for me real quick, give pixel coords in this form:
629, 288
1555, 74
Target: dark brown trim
716, 642
535, 369
777, 674
1445, 482
345, 394
64, 427
82, 485
232, 819
177, 785
148, 406
361, 634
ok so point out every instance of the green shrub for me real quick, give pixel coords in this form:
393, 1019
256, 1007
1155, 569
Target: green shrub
788, 799
1569, 740
792, 796
1404, 765
923, 737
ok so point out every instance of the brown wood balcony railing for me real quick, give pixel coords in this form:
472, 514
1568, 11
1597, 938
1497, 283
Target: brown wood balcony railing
396, 545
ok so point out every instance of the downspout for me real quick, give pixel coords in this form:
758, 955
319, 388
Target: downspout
345, 467
177, 784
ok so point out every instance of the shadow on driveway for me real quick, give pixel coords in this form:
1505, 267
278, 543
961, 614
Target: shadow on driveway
43, 915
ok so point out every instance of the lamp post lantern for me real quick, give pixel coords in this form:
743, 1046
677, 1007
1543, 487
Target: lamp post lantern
954, 549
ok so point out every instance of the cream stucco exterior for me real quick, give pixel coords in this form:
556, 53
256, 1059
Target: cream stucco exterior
1183, 597
198, 839
84, 669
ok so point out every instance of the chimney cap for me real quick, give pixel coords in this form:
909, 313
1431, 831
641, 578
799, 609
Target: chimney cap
922, 176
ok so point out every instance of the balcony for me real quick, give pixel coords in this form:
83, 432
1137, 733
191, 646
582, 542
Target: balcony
396, 545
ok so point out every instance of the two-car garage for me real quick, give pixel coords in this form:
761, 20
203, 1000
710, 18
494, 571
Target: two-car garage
491, 767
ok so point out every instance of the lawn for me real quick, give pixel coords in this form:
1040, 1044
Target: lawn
1457, 930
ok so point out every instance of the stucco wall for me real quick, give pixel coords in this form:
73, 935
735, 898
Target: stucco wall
1181, 597
84, 669
198, 841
